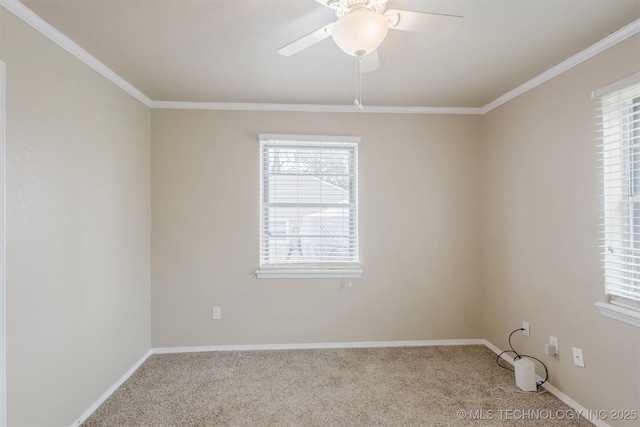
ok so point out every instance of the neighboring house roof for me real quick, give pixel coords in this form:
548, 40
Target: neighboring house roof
305, 189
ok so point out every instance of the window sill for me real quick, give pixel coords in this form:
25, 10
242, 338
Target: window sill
626, 315
318, 273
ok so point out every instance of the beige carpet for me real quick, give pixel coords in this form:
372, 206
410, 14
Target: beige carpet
408, 386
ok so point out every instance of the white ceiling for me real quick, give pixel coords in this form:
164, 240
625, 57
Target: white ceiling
225, 50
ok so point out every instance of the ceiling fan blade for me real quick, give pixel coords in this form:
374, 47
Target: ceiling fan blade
407, 20
370, 62
306, 41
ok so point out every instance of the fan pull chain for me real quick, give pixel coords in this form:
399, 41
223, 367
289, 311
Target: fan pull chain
358, 101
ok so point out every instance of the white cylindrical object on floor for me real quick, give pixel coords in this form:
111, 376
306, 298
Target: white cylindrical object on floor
525, 374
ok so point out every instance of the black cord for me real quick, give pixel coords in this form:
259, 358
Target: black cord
520, 356
509, 351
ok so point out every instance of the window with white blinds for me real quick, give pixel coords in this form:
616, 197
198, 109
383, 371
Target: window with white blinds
308, 202
620, 154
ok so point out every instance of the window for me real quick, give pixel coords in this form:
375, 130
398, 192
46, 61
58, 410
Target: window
620, 153
308, 206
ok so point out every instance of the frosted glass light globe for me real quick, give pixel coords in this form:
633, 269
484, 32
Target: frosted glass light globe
361, 30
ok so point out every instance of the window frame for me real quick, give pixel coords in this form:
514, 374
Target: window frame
339, 269
619, 157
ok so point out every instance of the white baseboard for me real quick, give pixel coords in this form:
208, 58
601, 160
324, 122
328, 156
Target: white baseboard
311, 346
551, 389
110, 391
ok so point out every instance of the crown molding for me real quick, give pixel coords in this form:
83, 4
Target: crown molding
22, 12
310, 108
596, 48
66, 43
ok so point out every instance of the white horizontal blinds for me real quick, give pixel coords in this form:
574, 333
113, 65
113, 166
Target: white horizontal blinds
620, 151
309, 209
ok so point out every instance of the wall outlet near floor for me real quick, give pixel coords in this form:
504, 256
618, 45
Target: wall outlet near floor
578, 359
216, 313
525, 326
554, 342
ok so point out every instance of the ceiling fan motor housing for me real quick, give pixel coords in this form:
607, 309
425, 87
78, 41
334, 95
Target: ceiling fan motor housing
343, 7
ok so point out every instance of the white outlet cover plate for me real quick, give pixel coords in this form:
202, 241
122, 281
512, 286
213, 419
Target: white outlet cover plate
578, 359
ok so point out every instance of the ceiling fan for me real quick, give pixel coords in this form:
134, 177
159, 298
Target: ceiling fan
362, 25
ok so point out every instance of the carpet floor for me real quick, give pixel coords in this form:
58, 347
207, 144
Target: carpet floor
406, 386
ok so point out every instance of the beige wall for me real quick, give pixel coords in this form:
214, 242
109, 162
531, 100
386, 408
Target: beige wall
540, 246
78, 230
468, 226
420, 230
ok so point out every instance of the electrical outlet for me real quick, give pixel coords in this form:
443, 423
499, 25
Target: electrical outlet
216, 313
525, 326
554, 342
578, 359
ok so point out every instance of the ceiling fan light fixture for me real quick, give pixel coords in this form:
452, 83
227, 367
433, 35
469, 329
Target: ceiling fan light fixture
361, 30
